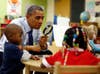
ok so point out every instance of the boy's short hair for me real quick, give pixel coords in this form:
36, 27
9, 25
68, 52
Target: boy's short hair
75, 36
12, 29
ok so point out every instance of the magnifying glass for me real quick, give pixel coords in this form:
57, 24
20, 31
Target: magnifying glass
48, 29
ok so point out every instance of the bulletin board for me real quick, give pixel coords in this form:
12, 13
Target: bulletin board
90, 7
14, 7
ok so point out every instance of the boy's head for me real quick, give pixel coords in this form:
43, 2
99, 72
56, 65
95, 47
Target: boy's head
13, 33
75, 37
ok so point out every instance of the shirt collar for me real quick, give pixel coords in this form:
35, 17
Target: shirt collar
27, 27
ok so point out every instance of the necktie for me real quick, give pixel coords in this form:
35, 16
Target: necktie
30, 38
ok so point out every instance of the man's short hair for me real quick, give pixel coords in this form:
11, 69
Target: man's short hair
33, 8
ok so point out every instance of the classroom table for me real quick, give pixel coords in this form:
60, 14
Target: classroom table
34, 65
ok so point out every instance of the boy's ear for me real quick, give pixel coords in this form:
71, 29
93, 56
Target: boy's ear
10, 38
27, 16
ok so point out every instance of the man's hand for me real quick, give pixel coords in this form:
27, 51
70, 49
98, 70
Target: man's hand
43, 40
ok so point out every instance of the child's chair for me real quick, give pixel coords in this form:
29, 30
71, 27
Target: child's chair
80, 69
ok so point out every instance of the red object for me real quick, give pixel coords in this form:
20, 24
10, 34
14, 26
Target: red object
74, 25
7, 21
79, 58
3, 25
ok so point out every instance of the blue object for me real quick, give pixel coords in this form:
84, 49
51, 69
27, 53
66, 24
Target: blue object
11, 59
75, 36
55, 20
85, 16
95, 49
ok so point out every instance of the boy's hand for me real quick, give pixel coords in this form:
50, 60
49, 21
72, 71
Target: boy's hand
35, 57
20, 47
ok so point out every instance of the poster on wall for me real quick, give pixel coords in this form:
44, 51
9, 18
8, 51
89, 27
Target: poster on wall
14, 7
90, 7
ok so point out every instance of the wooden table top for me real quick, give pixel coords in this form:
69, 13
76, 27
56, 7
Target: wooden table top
32, 62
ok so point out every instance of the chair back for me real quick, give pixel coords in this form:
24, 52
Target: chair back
73, 69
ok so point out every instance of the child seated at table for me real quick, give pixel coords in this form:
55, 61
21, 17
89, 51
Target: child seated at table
74, 51
92, 37
13, 51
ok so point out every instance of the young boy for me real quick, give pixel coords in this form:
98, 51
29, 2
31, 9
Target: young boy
74, 51
13, 51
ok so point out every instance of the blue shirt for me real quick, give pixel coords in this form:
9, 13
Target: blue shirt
95, 49
11, 59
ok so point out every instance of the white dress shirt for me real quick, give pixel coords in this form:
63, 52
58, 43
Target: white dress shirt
3, 39
22, 22
25, 27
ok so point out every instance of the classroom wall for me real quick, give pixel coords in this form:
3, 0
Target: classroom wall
77, 6
2, 9
30, 2
62, 8
25, 3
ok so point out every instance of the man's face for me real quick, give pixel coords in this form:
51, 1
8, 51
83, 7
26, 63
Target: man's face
35, 20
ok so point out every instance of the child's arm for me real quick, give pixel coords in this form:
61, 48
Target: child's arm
26, 56
35, 57
33, 48
96, 49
